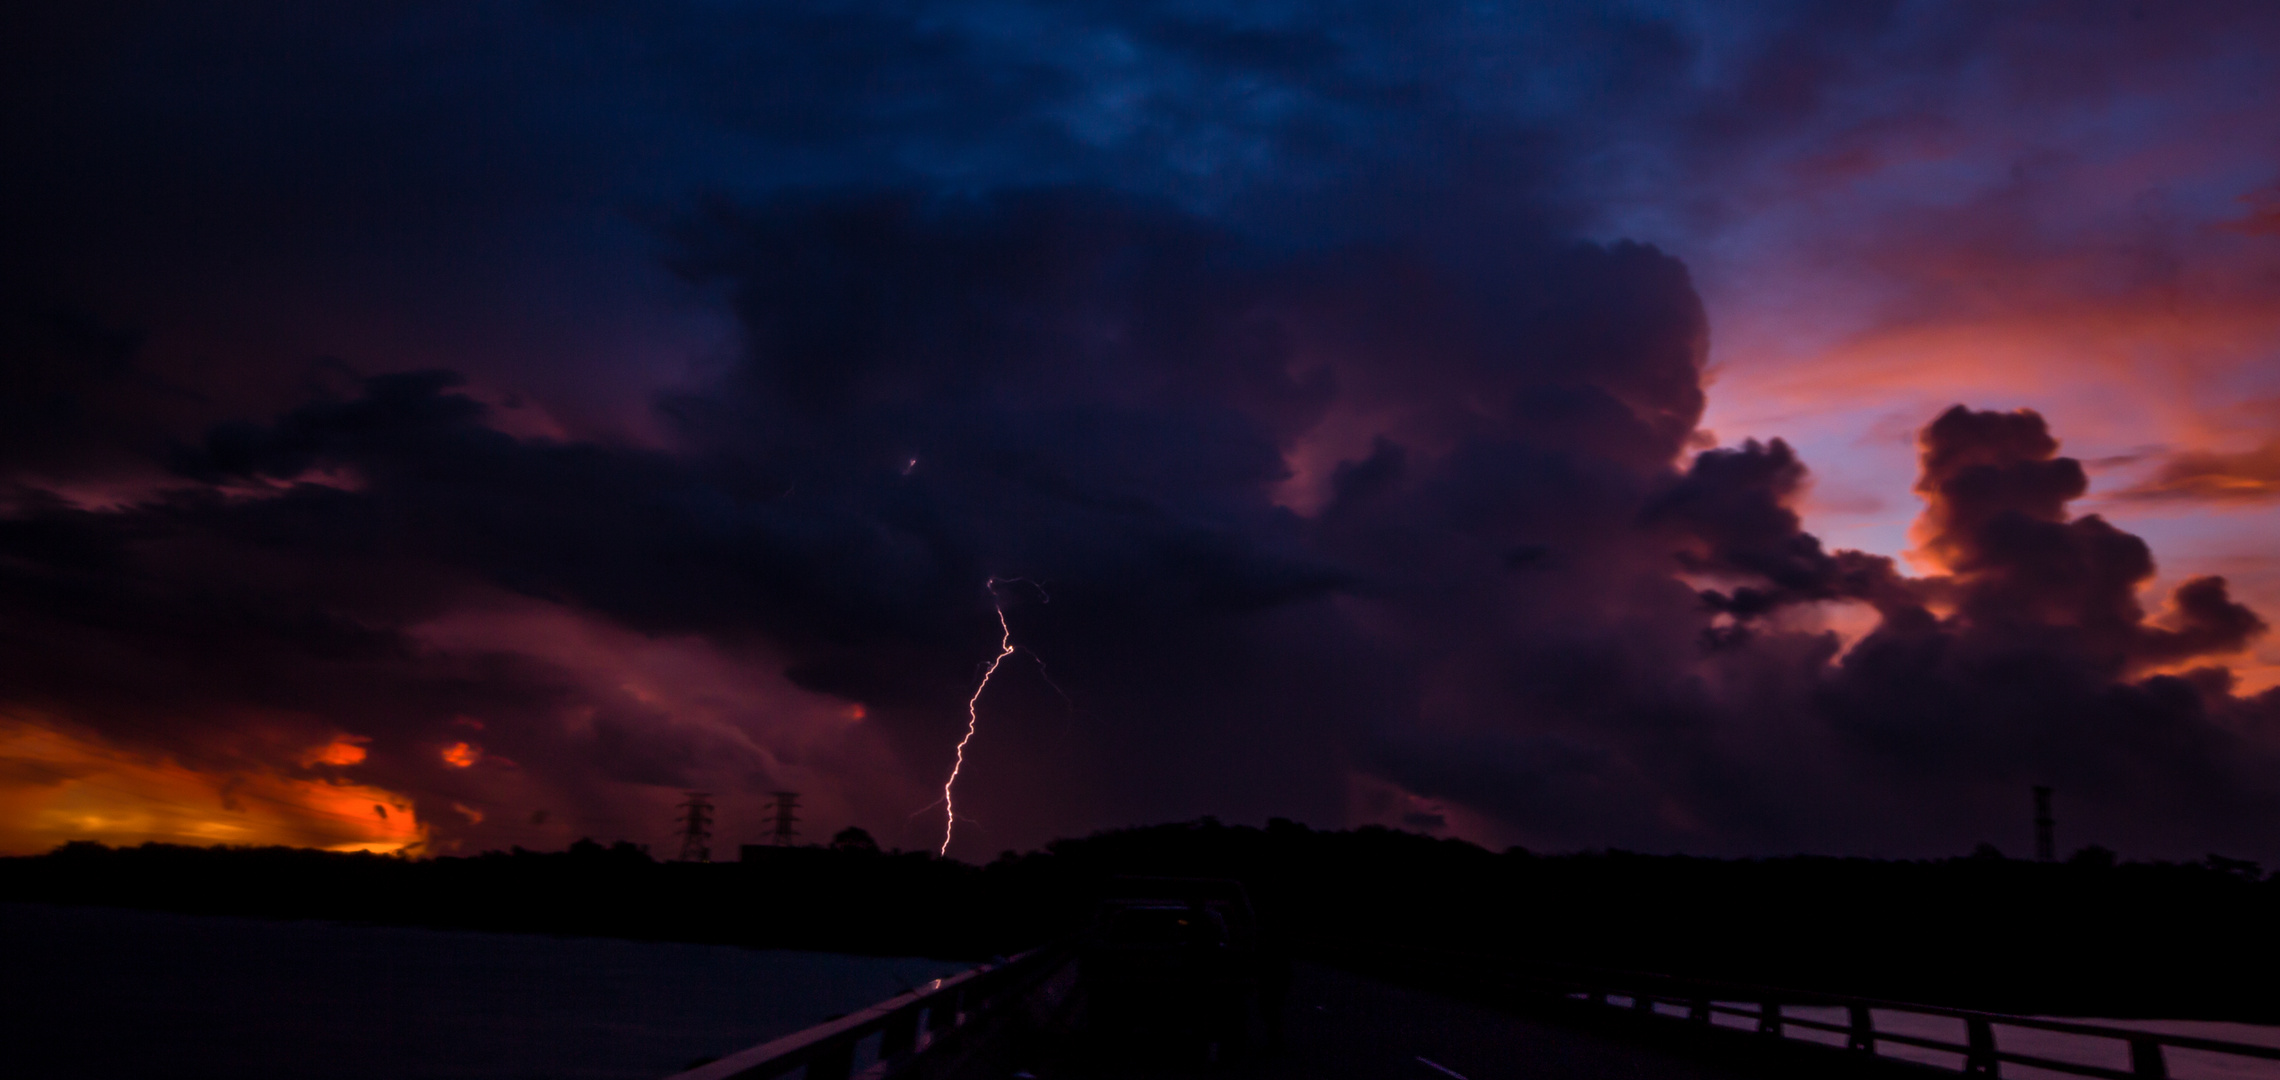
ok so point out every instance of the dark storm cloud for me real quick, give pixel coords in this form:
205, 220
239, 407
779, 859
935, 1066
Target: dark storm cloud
1735, 504
484, 187
1065, 387
1259, 344
1070, 387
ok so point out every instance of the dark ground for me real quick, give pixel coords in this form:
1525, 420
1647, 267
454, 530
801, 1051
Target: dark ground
2087, 937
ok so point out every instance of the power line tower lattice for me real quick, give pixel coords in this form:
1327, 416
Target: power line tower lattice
2046, 842
787, 807
696, 828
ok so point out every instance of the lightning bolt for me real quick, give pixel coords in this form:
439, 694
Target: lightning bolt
1043, 672
1006, 648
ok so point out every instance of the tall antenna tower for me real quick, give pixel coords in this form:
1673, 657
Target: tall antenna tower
787, 806
2046, 843
696, 828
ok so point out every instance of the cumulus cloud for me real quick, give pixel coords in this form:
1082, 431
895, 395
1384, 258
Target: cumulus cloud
1996, 516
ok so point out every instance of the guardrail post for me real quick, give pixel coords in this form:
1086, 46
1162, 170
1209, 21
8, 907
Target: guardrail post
1979, 1059
1698, 1010
1862, 1035
942, 1010
2146, 1060
832, 1061
900, 1036
1769, 1018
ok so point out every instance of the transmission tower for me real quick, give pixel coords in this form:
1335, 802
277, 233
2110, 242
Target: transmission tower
2046, 844
696, 828
787, 806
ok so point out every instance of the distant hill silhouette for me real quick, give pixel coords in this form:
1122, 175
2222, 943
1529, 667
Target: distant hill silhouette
2090, 936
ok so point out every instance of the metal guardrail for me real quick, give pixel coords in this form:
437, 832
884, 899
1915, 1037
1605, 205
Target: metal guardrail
1704, 1000
910, 1027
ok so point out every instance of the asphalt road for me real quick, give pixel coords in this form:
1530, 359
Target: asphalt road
1346, 1027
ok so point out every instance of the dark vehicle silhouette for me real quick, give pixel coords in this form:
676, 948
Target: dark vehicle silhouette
1172, 963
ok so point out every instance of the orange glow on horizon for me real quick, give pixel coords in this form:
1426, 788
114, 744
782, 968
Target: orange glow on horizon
57, 787
2020, 354
461, 755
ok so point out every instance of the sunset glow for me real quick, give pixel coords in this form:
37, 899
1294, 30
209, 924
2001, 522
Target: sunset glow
66, 788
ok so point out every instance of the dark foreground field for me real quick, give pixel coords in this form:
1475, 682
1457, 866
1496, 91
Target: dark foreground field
105, 992
2083, 937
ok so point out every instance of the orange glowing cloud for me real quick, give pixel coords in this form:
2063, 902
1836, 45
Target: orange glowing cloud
2125, 290
344, 750
460, 755
2248, 476
56, 787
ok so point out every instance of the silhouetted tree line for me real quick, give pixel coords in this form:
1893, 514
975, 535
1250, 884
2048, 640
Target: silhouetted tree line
2088, 936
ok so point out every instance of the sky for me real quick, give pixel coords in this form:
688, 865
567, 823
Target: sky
1738, 429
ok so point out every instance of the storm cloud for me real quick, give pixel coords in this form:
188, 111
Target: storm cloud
677, 406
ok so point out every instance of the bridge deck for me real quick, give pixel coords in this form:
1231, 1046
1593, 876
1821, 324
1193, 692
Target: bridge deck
1347, 1027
